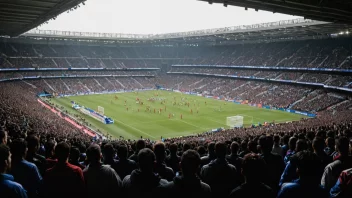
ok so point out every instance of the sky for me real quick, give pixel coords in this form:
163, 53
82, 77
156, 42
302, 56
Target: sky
156, 17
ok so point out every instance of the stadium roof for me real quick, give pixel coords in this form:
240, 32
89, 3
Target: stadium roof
281, 30
323, 10
19, 16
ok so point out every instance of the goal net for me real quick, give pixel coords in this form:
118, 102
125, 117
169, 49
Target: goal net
101, 110
234, 121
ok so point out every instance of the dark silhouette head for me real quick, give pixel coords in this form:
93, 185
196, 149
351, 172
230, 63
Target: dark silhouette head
234, 148
190, 162
122, 152
146, 159
220, 150
159, 150
342, 145
33, 143
307, 163
94, 154
108, 151
62, 152
18, 148
266, 144
140, 144
5, 158
253, 167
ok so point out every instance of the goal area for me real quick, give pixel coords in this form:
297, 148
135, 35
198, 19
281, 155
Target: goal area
234, 121
100, 110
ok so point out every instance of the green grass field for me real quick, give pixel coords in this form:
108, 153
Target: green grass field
137, 121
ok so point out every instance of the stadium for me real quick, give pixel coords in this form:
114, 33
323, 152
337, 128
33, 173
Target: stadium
235, 110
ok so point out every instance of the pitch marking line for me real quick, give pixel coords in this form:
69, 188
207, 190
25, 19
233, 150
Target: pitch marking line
134, 128
191, 124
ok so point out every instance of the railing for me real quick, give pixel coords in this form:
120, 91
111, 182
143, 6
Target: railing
57, 33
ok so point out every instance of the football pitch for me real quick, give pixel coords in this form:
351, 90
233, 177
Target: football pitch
137, 114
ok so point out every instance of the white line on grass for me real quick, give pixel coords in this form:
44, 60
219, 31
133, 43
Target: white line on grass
191, 124
134, 128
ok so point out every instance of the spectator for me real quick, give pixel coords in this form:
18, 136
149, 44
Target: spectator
188, 185
143, 182
3, 136
173, 159
234, 158
124, 166
101, 180
290, 173
342, 162
284, 146
219, 174
109, 155
74, 158
291, 150
277, 148
64, 179
24, 172
318, 147
140, 144
160, 167
252, 170
32, 153
8, 187
343, 186
244, 148
307, 185
50, 153
211, 155
330, 146
274, 163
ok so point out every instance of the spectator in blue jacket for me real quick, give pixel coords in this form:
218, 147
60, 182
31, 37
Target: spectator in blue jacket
308, 184
8, 187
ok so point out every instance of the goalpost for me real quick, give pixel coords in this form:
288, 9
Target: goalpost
234, 121
101, 110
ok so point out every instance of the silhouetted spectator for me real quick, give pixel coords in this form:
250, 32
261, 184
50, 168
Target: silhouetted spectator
277, 148
219, 174
342, 162
234, 158
188, 184
211, 155
64, 179
173, 160
274, 163
140, 144
101, 180
124, 166
307, 185
160, 166
32, 153
74, 157
24, 172
143, 182
253, 168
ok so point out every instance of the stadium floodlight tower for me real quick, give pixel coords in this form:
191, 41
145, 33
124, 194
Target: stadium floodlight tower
234, 121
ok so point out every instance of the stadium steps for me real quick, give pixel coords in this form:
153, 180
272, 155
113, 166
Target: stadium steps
33, 86
13, 48
120, 83
300, 100
35, 51
55, 62
346, 60
322, 62
84, 86
99, 83
52, 49
49, 85
332, 105
138, 82
67, 87
68, 62
111, 83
